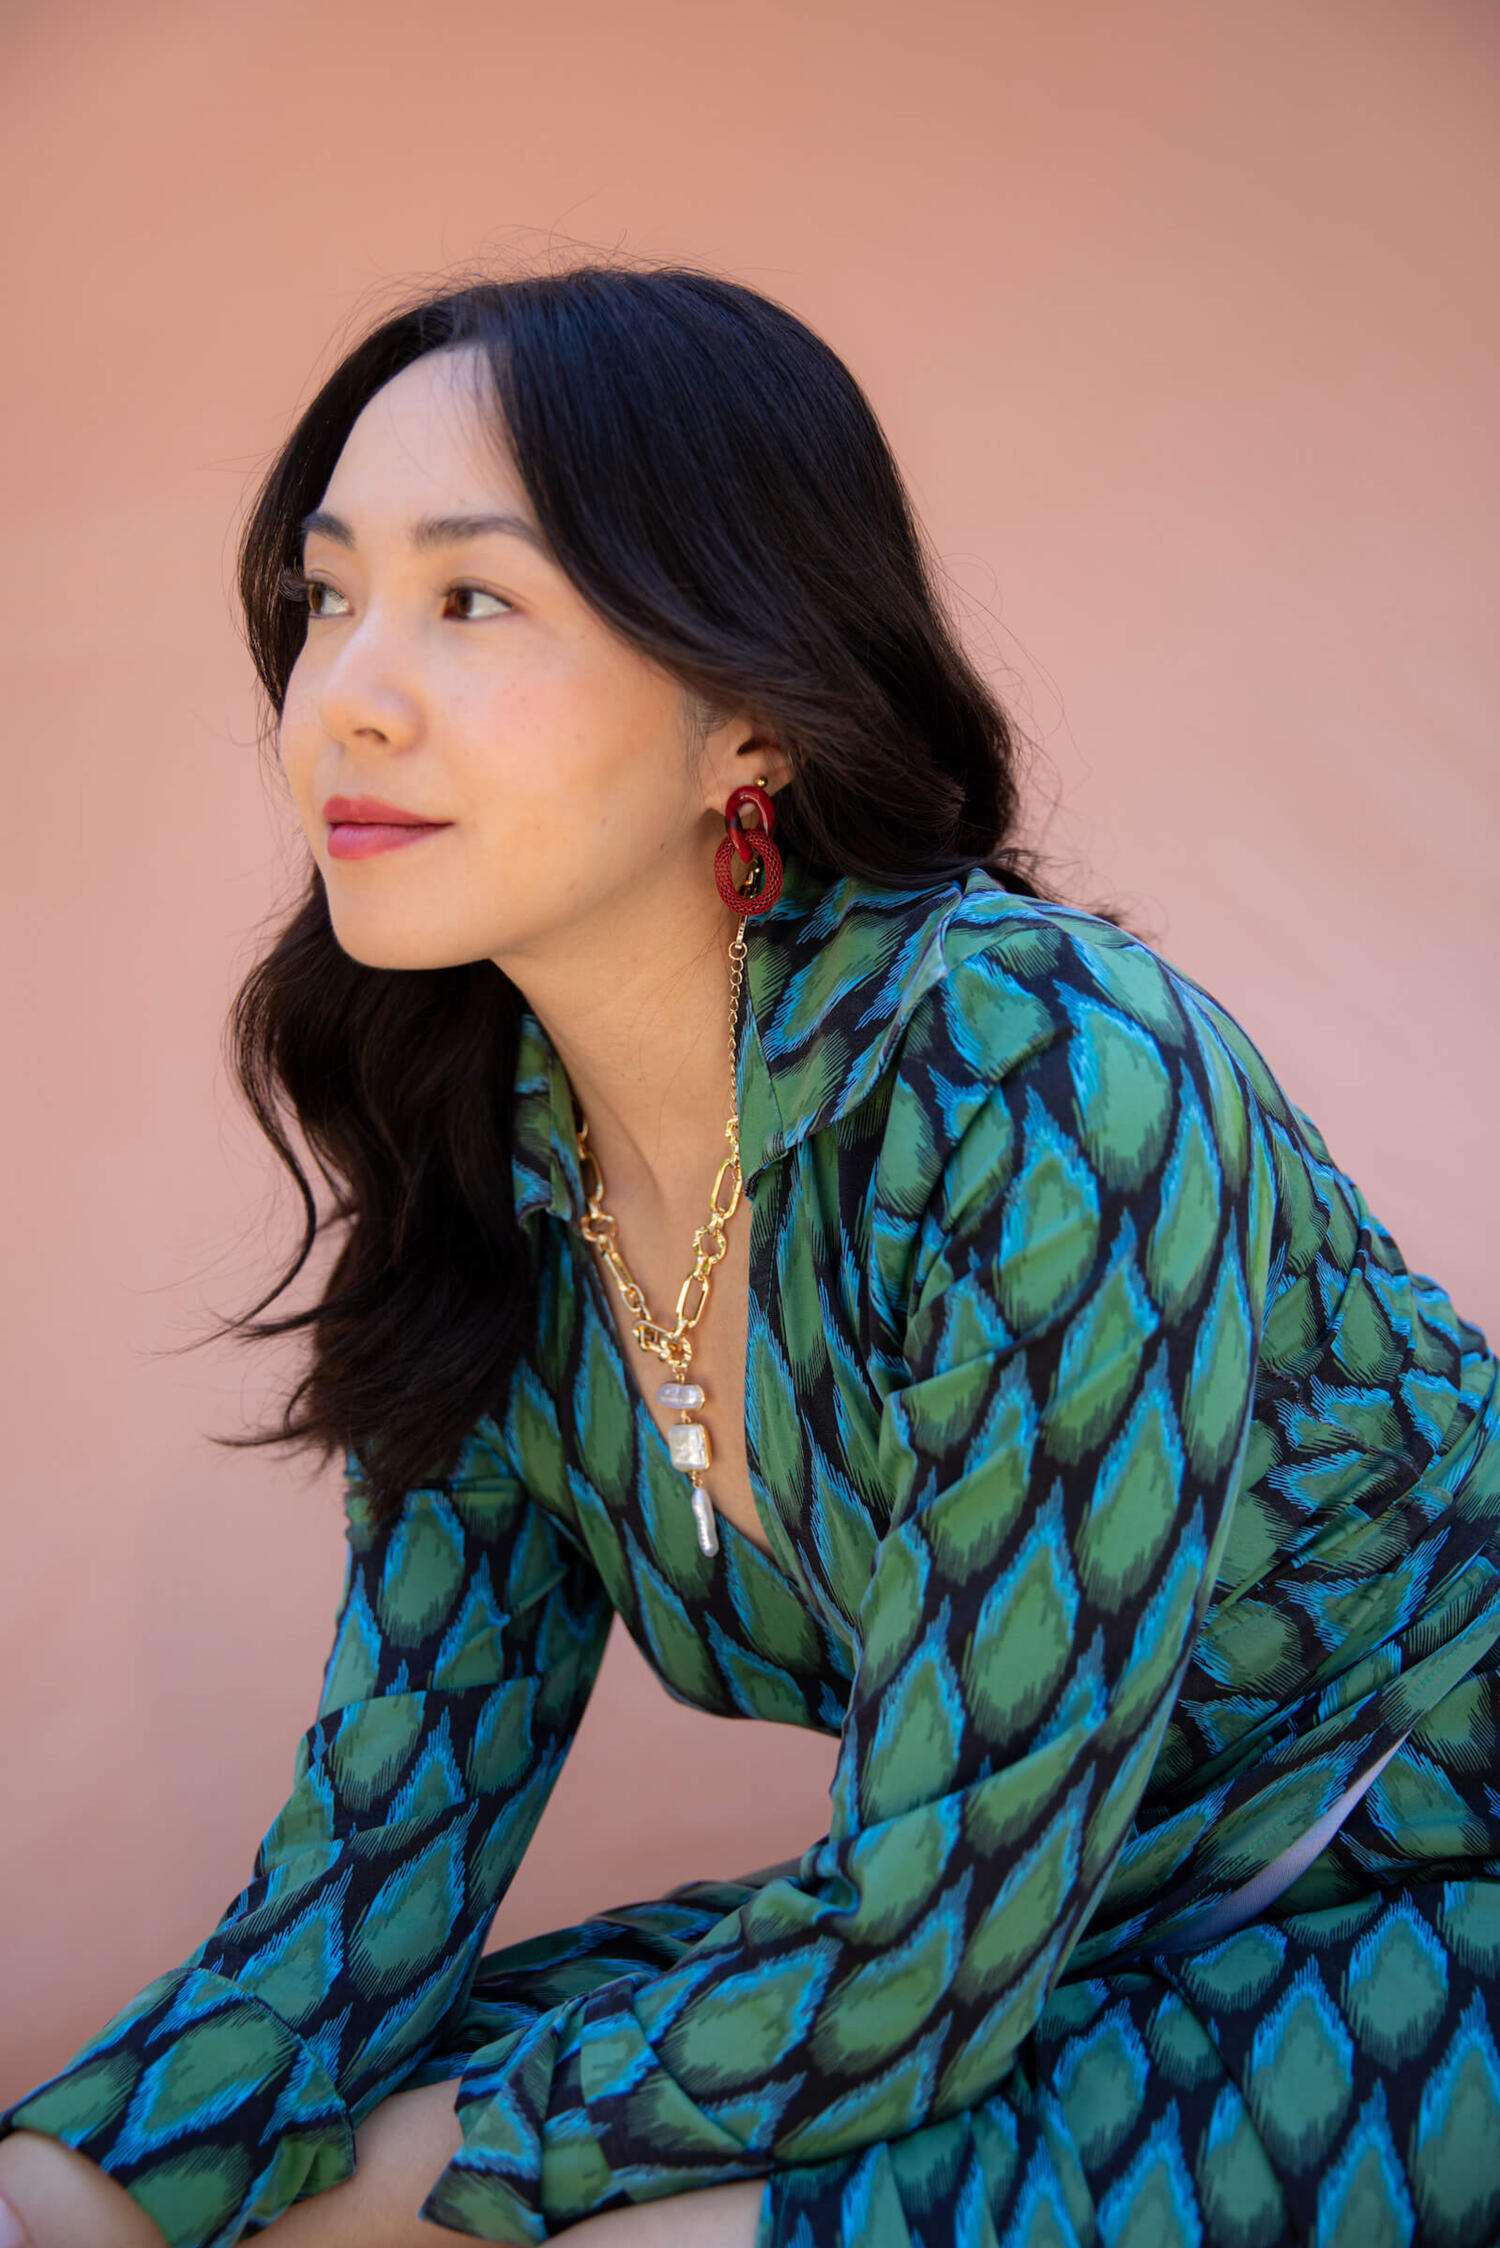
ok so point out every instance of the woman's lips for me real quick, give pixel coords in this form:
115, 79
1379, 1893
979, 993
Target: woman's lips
351, 839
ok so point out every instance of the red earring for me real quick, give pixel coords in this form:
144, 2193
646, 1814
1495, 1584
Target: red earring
749, 844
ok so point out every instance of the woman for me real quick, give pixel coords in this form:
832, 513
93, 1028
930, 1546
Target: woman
1104, 1479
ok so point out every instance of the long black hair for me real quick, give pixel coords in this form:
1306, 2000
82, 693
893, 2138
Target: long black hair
713, 480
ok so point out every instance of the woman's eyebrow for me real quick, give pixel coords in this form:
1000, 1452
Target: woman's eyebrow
432, 530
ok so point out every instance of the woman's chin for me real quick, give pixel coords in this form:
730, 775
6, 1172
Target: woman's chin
385, 947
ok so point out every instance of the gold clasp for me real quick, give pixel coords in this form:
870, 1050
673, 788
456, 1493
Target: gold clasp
652, 1337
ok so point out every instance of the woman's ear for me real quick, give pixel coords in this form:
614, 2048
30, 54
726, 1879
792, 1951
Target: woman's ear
758, 756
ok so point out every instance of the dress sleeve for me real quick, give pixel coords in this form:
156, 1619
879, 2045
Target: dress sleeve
468, 1637
1060, 1453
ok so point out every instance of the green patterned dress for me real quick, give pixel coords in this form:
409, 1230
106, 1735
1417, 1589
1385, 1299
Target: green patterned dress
1128, 1500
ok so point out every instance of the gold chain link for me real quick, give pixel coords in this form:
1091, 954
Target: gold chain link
673, 1344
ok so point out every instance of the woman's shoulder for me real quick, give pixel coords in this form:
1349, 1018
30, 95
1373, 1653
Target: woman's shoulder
998, 983
970, 1039
1049, 1035
844, 968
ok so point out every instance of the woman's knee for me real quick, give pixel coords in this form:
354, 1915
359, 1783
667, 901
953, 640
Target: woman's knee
717, 2217
400, 2149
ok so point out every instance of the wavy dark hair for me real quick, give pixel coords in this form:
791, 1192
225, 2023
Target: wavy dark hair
711, 477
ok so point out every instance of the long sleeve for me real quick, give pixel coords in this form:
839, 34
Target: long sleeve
468, 1637
1081, 1321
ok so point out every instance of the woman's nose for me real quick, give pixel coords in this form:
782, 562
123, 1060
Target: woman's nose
361, 698
365, 682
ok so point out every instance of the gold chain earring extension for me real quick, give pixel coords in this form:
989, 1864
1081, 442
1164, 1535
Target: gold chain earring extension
687, 1439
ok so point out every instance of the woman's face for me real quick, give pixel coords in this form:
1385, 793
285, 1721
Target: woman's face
452, 670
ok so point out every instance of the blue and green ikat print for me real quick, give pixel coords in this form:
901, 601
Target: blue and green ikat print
1126, 1498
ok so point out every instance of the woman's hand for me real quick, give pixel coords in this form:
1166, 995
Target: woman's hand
54, 2197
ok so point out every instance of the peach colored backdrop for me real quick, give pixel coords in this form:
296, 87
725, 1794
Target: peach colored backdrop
1180, 315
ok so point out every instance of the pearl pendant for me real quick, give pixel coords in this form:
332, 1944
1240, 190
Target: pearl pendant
687, 1441
688, 1446
683, 1394
703, 1515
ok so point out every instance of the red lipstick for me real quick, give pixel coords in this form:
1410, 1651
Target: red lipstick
359, 826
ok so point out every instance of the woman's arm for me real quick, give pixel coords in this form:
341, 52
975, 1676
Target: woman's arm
1083, 1308
468, 1638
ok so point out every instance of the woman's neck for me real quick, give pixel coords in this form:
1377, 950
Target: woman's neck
639, 1015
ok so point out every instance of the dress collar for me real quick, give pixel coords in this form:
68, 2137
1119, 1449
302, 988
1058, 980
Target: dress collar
832, 973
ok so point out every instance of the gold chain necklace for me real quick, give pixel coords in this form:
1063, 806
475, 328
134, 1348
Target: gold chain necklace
687, 1439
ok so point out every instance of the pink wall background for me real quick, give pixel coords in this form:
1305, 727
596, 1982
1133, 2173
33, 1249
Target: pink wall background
1180, 315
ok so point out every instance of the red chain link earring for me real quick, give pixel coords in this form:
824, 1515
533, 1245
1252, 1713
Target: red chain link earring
753, 846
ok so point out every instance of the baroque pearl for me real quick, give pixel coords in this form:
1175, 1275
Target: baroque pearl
703, 1516
683, 1394
687, 1441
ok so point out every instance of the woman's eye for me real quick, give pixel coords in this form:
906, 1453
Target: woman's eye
478, 593
308, 593
320, 599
